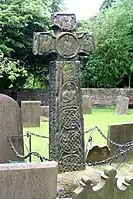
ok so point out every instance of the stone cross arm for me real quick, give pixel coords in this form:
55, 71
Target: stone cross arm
43, 43
66, 44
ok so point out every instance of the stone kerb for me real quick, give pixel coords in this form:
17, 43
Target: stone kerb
28, 180
110, 186
31, 111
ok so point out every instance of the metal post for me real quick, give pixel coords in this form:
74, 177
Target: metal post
30, 146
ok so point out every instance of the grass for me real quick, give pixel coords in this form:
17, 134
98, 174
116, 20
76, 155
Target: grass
101, 117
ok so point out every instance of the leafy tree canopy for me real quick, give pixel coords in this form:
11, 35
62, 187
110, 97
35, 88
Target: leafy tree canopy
18, 20
112, 59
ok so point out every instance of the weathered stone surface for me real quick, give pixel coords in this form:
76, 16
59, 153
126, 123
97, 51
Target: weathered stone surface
97, 153
10, 125
121, 134
31, 111
109, 187
65, 115
86, 106
65, 22
45, 111
28, 180
122, 105
66, 130
69, 181
44, 42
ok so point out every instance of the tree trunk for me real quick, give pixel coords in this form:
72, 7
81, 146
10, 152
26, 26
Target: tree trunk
129, 81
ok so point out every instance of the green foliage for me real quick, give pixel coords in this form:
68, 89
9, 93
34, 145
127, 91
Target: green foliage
33, 82
106, 4
113, 34
56, 5
12, 73
18, 21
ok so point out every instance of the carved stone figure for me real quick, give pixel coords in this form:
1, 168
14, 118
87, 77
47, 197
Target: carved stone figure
66, 131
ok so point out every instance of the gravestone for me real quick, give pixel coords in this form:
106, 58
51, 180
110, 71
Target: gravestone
121, 134
97, 154
28, 180
10, 127
87, 107
45, 111
122, 105
110, 186
66, 131
31, 111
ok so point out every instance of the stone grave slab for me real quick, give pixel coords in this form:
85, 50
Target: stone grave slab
86, 106
31, 111
45, 111
121, 134
110, 186
10, 126
28, 180
97, 153
122, 105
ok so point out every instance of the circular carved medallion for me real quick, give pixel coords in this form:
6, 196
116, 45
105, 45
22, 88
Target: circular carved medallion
67, 45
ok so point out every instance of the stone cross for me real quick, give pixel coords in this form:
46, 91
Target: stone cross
66, 129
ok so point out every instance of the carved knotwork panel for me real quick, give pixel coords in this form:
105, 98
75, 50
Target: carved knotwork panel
70, 121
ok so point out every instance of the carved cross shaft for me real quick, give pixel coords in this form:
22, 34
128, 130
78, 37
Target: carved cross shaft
66, 132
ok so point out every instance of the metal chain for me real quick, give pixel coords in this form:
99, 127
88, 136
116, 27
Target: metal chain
128, 146
26, 156
111, 159
37, 135
106, 138
13, 148
106, 160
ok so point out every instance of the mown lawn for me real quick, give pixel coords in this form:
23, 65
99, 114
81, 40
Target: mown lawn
101, 117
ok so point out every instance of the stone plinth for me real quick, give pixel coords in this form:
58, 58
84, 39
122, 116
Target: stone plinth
31, 111
86, 106
122, 105
28, 180
10, 125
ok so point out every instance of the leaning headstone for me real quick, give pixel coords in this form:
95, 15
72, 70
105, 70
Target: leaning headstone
86, 106
28, 180
45, 111
122, 105
110, 186
120, 134
97, 154
10, 129
31, 111
66, 130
